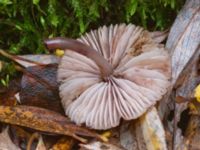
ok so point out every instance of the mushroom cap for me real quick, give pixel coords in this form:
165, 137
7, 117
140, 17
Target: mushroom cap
140, 77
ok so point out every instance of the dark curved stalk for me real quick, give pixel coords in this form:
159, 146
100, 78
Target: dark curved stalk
71, 44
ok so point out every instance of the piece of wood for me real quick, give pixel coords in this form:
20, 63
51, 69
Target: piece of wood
183, 44
147, 133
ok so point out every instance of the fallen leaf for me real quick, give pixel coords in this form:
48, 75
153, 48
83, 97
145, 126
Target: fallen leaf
128, 136
35, 93
148, 133
19, 135
183, 45
100, 146
43, 59
192, 135
184, 38
152, 130
65, 143
194, 107
184, 92
7, 95
5, 141
43, 120
176, 126
197, 93
106, 134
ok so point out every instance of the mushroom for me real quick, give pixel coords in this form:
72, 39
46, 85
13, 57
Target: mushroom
111, 73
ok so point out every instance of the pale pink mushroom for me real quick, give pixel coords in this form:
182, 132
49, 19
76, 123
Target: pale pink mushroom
111, 73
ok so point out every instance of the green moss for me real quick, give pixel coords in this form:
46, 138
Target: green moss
25, 23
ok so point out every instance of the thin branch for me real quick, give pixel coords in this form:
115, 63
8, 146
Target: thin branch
13, 58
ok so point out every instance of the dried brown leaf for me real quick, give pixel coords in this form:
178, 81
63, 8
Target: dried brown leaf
65, 143
192, 135
43, 120
128, 136
35, 93
19, 135
100, 146
7, 95
148, 133
185, 90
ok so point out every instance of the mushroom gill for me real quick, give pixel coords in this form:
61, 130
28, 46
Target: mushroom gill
111, 73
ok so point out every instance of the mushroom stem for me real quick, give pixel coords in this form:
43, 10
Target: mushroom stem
71, 44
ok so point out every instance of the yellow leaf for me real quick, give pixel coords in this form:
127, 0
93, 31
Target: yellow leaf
197, 93
65, 143
106, 135
152, 130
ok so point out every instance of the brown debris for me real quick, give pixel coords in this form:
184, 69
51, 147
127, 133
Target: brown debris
5, 141
43, 120
34, 93
64, 143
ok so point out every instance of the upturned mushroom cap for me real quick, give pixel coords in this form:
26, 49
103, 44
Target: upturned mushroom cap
139, 77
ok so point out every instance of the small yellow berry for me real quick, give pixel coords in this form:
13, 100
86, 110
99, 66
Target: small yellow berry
59, 52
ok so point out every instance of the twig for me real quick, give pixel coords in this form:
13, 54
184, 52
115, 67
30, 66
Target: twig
175, 121
33, 137
13, 58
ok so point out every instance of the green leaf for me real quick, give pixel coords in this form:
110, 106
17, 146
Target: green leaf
54, 20
172, 4
82, 26
42, 21
3, 82
18, 27
5, 2
36, 2
93, 11
131, 8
